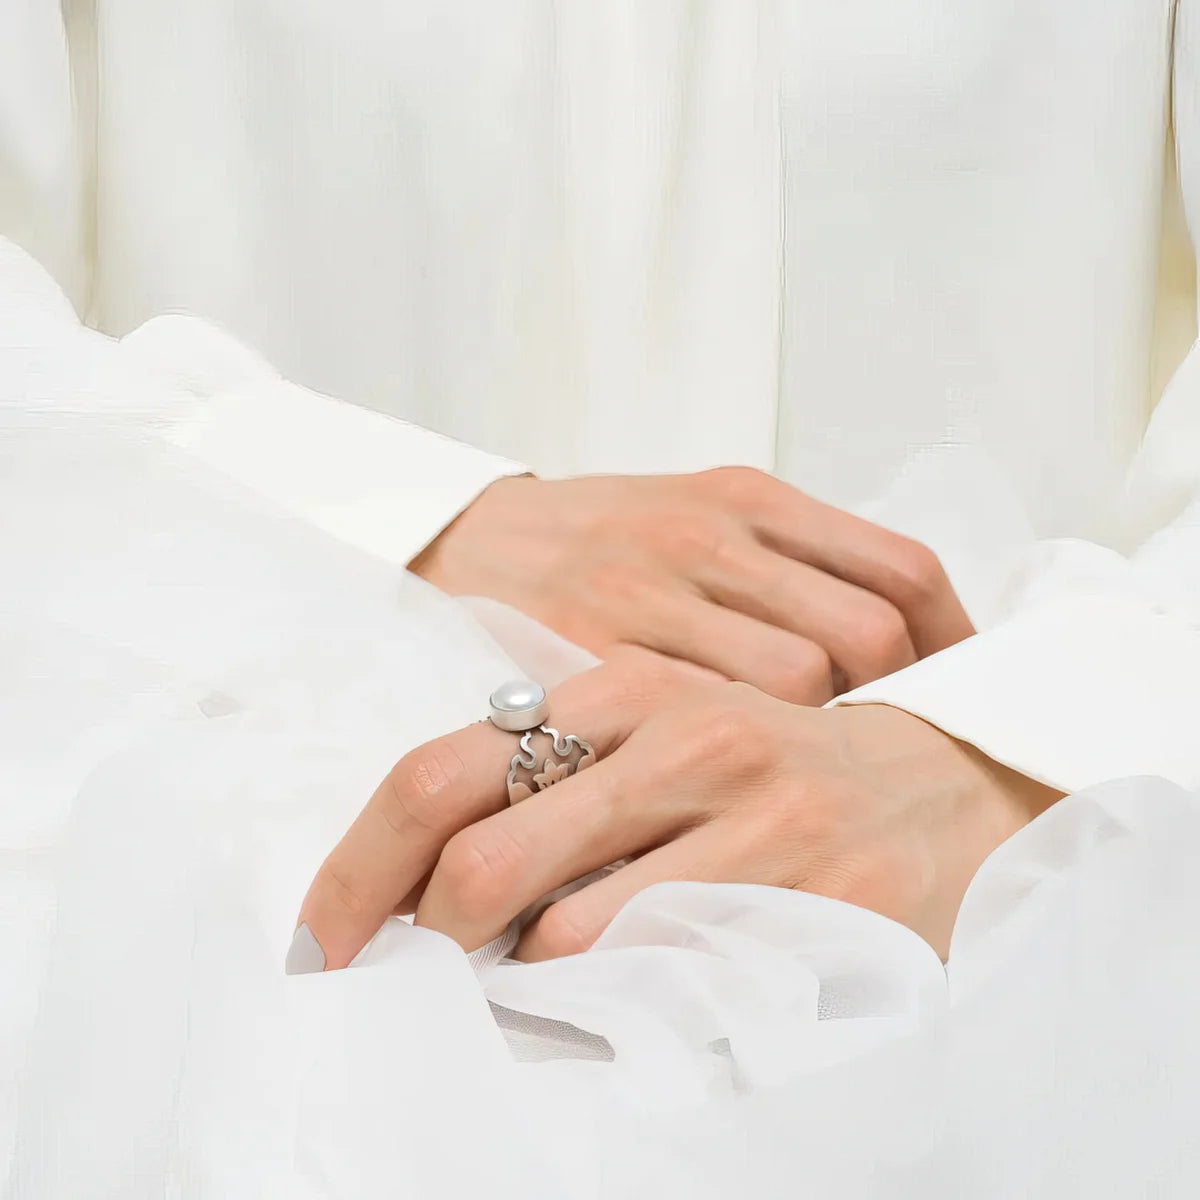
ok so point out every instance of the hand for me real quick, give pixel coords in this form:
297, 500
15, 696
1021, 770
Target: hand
729, 569
710, 782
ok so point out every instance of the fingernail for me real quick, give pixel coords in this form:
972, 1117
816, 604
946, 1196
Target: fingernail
304, 956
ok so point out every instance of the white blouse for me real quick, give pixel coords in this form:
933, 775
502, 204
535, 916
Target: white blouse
922, 259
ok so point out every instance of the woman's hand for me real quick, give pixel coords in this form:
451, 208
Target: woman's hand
710, 782
728, 569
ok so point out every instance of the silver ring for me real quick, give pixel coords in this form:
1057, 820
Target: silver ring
520, 706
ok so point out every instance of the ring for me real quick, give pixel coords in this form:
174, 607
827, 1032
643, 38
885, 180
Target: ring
520, 707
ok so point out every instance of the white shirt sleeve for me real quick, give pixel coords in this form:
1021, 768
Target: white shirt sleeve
375, 482
381, 484
1095, 672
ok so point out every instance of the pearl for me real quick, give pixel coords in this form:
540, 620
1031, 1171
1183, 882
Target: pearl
518, 694
518, 705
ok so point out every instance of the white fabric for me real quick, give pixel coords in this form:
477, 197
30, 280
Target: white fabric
199, 689
381, 484
920, 258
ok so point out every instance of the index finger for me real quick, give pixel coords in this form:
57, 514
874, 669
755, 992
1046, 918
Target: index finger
431, 794
427, 797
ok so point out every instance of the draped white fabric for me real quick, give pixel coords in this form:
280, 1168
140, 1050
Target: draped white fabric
198, 691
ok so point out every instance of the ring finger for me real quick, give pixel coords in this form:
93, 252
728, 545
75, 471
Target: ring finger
492, 871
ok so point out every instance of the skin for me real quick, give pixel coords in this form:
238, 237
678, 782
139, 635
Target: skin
696, 781
730, 570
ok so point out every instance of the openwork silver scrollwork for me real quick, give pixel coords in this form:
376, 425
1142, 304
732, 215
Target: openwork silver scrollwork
573, 755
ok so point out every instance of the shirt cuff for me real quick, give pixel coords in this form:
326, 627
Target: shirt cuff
380, 484
1071, 693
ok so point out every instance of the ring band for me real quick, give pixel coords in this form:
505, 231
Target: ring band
520, 707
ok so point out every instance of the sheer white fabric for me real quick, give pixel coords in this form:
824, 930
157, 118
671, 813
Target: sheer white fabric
198, 691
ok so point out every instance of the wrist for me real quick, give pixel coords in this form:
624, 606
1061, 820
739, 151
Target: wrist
960, 805
441, 562
932, 754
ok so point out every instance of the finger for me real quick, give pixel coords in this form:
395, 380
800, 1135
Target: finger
408, 905
774, 660
702, 855
865, 635
660, 677
670, 670
901, 570
429, 796
491, 872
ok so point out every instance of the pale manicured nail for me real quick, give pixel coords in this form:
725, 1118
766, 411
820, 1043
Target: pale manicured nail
304, 956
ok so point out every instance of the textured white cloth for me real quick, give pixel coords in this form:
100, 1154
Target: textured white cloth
198, 690
922, 259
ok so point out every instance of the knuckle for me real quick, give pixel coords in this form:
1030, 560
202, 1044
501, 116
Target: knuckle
480, 870
802, 672
698, 536
419, 788
916, 572
560, 931
880, 636
736, 485
725, 733
726, 552
724, 729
